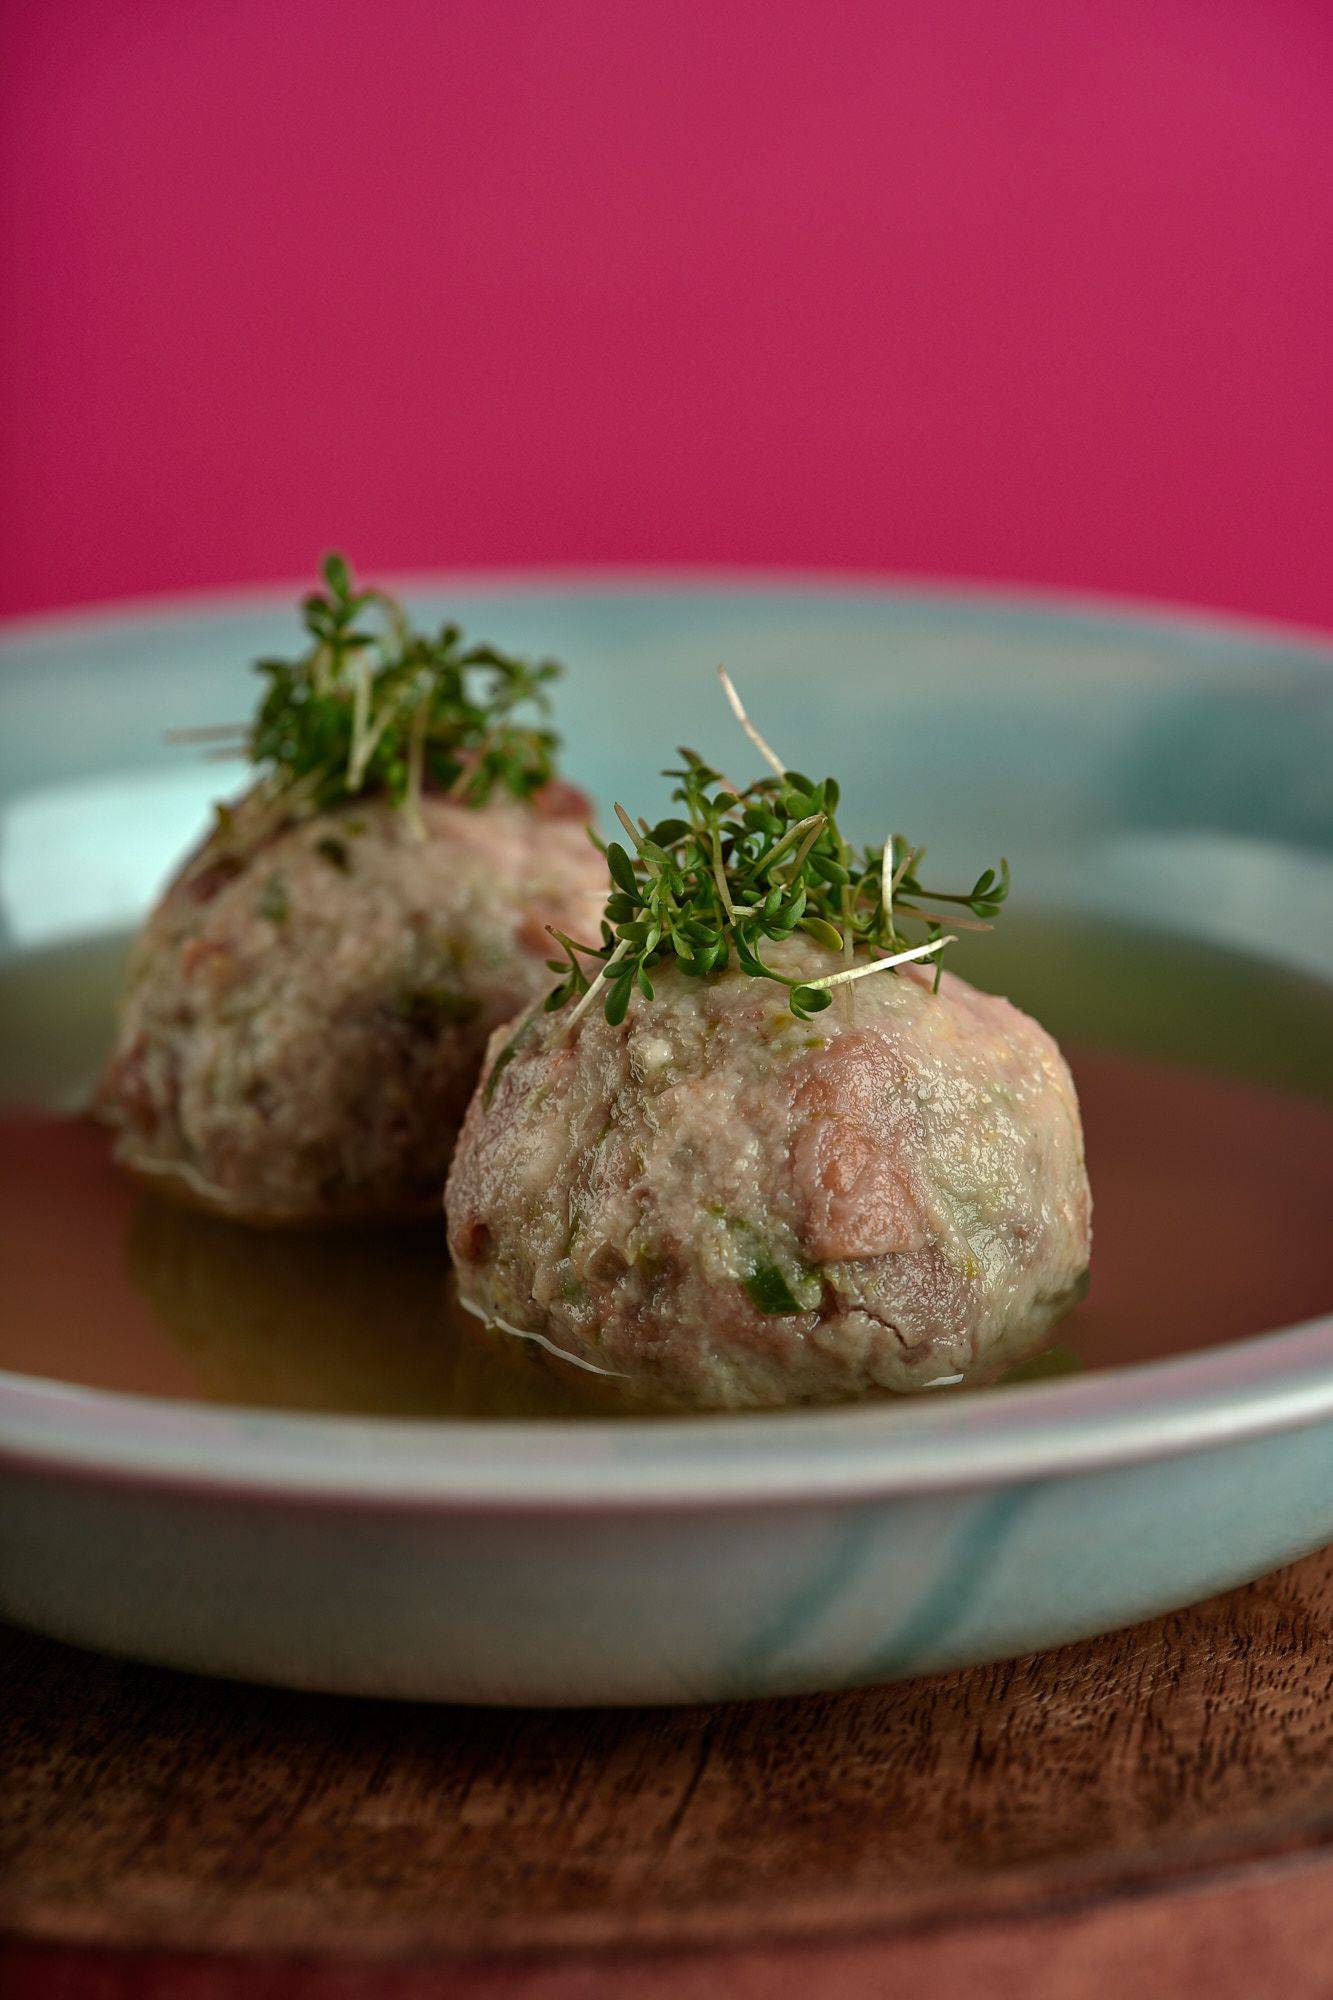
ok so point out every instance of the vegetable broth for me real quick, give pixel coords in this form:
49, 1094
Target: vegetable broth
1206, 1081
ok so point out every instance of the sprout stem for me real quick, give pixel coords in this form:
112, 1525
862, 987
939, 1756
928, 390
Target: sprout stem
720, 877
416, 752
587, 999
881, 964
628, 825
588, 950
805, 830
769, 755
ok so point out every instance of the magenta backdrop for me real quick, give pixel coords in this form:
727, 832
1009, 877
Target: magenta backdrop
1009, 288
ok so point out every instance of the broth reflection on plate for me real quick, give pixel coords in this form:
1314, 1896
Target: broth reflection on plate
365, 1321
1212, 1193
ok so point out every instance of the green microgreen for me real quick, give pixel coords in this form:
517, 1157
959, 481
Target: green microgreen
373, 706
707, 887
771, 1293
336, 853
273, 902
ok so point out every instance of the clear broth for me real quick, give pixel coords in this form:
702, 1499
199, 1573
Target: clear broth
1206, 1082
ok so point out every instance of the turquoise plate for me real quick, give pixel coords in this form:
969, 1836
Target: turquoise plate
1134, 763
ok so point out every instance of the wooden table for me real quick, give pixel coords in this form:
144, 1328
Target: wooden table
1150, 1810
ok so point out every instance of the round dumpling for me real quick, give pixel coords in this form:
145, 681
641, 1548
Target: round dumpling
730, 1207
304, 1022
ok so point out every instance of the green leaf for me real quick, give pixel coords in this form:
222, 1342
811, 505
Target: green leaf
770, 1293
822, 932
622, 870
807, 1000
748, 958
336, 853
617, 1001
273, 902
738, 869
420, 694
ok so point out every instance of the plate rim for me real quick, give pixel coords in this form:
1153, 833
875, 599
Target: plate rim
1169, 616
1244, 1390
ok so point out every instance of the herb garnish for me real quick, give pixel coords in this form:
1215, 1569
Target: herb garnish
374, 706
770, 1291
273, 901
706, 889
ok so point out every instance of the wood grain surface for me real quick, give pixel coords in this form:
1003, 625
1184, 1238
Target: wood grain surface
1191, 1757
1265, 1937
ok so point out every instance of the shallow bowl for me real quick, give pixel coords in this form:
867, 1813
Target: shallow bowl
1130, 761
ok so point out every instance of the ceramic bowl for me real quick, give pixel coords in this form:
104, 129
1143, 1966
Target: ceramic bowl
1114, 750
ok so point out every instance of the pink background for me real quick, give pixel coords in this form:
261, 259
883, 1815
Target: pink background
1009, 288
